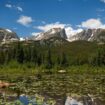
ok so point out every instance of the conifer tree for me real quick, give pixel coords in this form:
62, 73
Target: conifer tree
20, 54
49, 60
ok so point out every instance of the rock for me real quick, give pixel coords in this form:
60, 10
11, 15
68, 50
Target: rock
5, 84
89, 35
72, 101
62, 71
54, 32
8, 35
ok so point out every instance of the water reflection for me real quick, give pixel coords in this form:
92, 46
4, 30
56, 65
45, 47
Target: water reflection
72, 101
32, 100
24, 99
69, 101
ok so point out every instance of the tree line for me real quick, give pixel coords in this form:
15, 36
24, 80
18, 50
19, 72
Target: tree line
50, 56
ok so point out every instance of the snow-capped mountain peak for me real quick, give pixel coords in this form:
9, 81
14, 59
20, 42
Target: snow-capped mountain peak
89, 35
54, 32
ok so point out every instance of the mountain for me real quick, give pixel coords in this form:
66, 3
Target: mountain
56, 36
90, 35
8, 35
97, 35
54, 32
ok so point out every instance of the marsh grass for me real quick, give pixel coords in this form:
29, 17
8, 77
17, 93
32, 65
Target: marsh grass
32, 79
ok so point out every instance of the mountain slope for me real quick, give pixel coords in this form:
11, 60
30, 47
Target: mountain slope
7, 35
90, 35
54, 32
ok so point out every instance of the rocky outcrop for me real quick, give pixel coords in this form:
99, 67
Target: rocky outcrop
90, 35
83, 100
7, 35
54, 32
5, 84
87, 35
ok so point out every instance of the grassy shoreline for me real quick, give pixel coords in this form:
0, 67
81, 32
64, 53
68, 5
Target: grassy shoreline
79, 80
30, 70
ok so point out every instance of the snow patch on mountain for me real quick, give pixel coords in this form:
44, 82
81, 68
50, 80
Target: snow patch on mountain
54, 32
8, 30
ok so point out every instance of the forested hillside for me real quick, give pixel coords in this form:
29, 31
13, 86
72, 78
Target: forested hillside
53, 55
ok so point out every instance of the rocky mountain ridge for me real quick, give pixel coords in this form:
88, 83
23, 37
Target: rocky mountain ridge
87, 35
54, 32
58, 34
8, 35
90, 35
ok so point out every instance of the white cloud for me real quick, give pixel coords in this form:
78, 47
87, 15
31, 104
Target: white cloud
103, 1
69, 30
8, 5
50, 26
25, 20
19, 9
14, 7
92, 23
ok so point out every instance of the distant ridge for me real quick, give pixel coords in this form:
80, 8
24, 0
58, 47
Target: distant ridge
54, 32
8, 35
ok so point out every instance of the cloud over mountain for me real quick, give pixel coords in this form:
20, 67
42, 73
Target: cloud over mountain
50, 26
69, 30
92, 23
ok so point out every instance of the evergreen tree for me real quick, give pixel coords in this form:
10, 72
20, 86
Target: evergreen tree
27, 54
99, 60
58, 60
7, 56
39, 60
20, 54
2, 57
34, 55
64, 60
49, 60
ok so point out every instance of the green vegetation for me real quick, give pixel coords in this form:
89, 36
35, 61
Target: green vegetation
50, 56
81, 80
35, 68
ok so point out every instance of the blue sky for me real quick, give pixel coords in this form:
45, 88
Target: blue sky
27, 17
